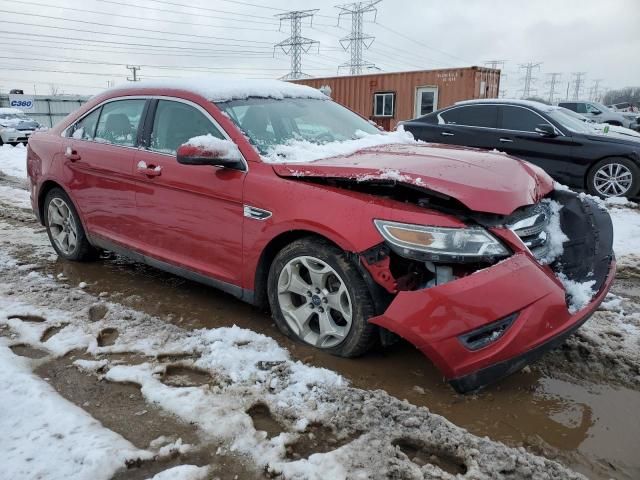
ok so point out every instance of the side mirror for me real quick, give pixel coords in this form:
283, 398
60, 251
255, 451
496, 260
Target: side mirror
546, 130
595, 112
208, 150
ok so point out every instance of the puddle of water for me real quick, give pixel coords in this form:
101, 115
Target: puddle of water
591, 428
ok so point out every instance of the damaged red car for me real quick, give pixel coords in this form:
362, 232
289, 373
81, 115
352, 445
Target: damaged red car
351, 236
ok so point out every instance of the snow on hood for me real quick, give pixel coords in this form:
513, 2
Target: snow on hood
482, 181
218, 89
303, 151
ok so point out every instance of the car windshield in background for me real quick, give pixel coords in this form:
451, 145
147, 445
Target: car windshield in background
570, 122
13, 116
269, 122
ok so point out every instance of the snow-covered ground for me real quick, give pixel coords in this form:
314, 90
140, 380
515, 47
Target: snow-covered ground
39, 428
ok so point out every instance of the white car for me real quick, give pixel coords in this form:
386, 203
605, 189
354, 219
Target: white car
15, 126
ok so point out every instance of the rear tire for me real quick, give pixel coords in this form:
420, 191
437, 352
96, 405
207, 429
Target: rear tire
613, 177
66, 234
318, 296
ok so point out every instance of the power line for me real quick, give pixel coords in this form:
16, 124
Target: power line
529, 80
594, 91
577, 84
356, 40
553, 81
296, 44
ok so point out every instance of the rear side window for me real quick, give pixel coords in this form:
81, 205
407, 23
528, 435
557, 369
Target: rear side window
520, 119
119, 122
472, 116
85, 129
581, 108
569, 105
175, 123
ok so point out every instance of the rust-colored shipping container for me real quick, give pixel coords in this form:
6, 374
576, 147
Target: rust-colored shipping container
387, 98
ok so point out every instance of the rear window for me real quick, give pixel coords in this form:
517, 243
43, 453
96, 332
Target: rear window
471, 116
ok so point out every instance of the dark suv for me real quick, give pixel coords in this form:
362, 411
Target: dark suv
572, 152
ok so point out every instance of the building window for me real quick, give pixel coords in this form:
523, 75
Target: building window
384, 104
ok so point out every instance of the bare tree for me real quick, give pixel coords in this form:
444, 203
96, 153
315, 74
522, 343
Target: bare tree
54, 89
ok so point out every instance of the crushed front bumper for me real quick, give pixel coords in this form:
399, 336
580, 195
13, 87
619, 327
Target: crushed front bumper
437, 320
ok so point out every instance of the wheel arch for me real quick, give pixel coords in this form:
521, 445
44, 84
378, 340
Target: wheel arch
45, 188
269, 253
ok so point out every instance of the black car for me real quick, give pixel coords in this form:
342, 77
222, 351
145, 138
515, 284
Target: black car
572, 152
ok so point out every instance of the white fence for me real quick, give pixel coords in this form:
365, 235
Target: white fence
50, 109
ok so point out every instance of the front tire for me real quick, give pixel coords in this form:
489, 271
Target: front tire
318, 296
66, 234
614, 177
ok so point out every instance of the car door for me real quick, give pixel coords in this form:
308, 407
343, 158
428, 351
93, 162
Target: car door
189, 216
518, 137
469, 125
99, 156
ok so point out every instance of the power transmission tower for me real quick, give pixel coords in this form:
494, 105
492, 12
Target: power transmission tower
296, 44
553, 81
495, 65
134, 73
356, 40
577, 84
594, 91
528, 79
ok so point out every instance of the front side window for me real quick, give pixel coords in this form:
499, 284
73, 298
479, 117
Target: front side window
383, 104
119, 122
269, 122
472, 116
592, 108
581, 108
85, 129
520, 119
175, 123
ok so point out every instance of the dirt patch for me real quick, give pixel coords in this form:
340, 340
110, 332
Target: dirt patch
263, 420
183, 376
317, 438
422, 455
97, 312
28, 351
107, 337
50, 332
28, 318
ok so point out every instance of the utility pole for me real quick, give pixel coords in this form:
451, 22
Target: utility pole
594, 91
553, 81
134, 73
577, 84
528, 79
495, 65
356, 40
296, 44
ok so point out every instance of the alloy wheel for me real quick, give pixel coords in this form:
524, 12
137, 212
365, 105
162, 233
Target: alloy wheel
62, 225
315, 302
613, 180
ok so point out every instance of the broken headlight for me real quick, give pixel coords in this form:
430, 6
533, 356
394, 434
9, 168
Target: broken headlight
441, 244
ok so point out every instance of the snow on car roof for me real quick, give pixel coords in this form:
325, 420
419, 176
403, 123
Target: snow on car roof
514, 101
10, 111
225, 89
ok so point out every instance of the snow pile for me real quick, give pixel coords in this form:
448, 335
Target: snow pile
555, 236
391, 174
224, 89
13, 160
183, 472
16, 197
301, 151
44, 436
226, 148
580, 293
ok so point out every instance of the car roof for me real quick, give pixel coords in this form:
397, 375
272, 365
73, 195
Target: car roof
10, 111
223, 89
509, 101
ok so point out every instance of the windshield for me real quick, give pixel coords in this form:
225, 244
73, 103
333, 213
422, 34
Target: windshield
569, 121
269, 122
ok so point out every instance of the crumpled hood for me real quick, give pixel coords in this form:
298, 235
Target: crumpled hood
490, 182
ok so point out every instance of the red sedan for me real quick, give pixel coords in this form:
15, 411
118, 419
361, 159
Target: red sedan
277, 195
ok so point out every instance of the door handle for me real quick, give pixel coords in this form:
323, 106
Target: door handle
506, 140
447, 134
72, 154
149, 170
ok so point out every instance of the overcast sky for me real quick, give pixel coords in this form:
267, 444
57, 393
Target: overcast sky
41, 46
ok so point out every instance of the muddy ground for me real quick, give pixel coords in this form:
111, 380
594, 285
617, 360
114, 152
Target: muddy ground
560, 408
